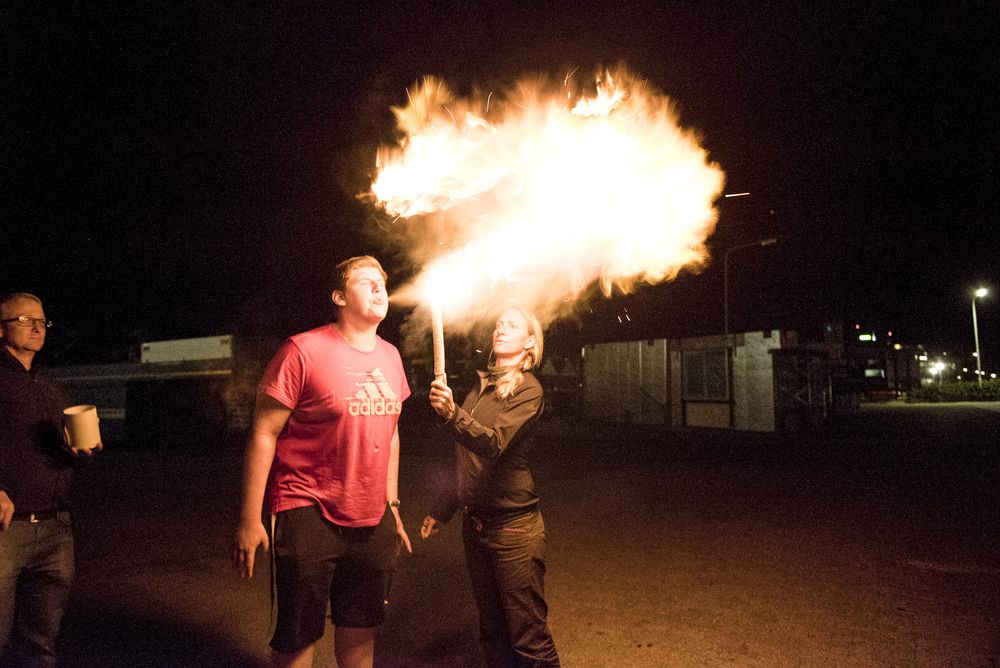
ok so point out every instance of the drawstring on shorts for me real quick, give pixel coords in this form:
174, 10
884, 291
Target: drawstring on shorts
272, 575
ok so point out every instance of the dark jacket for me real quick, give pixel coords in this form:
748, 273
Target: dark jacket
493, 438
35, 470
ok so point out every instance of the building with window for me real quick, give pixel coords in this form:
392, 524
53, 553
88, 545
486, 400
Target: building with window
752, 381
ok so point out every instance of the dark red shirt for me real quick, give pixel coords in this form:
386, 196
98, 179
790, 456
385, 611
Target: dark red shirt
35, 470
334, 450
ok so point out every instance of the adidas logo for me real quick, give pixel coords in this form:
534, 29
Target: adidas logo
374, 398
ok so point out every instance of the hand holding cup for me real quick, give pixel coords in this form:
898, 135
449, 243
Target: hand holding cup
81, 429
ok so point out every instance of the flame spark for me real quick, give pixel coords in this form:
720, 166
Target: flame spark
535, 196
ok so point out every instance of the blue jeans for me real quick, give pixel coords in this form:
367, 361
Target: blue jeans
36, 569
506, 560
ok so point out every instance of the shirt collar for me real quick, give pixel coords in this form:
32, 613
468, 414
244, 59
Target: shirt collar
11, 362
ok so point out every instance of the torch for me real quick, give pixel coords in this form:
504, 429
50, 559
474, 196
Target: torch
535, 195
437, 335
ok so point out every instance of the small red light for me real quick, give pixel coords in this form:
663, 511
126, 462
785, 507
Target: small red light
857, 326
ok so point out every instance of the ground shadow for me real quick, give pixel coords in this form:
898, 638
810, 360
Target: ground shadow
110, 639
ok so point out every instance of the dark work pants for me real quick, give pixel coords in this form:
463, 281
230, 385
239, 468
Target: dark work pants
506, 563
36, 569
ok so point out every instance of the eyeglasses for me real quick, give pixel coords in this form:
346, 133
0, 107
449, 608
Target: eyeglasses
28, 321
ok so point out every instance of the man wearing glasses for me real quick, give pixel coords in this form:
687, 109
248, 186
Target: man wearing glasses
36, 467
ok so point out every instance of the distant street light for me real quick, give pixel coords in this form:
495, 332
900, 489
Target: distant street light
725, 276
938, 369
981, 292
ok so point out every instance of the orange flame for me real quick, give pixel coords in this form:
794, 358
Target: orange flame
544, 193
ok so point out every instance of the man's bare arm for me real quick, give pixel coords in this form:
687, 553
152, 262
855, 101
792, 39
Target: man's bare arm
270, 417
392, 489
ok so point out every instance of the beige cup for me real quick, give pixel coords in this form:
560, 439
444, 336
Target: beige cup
81, 427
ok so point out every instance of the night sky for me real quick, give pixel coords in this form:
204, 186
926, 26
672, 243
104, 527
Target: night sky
175, 170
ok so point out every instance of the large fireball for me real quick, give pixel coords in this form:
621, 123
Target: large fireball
540, 193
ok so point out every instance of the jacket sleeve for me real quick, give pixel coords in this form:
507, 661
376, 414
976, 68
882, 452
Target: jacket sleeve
521, 408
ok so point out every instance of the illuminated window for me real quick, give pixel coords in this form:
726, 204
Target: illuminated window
706, 375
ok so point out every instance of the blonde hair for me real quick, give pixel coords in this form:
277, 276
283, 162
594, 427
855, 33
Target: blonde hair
342, 272
514, 376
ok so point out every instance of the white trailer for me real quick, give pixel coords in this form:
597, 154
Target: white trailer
187, 350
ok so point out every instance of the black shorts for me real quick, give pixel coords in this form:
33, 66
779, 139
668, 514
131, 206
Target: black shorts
318, 562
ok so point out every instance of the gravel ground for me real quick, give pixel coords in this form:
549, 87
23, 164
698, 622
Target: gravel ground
872, 544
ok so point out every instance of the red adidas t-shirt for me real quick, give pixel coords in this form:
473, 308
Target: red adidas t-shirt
334, 449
